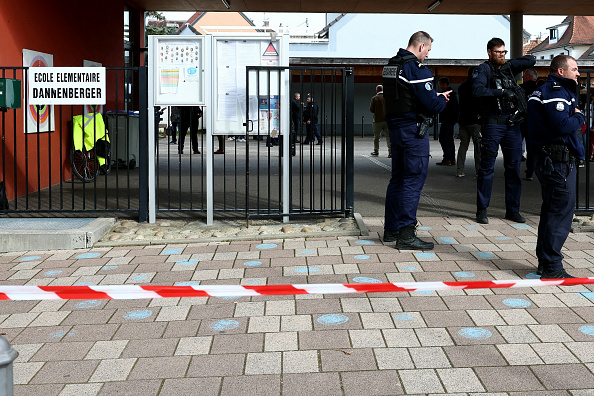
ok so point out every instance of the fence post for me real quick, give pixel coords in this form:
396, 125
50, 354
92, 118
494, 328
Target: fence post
143, 165
350, 141
7, 356
362, 126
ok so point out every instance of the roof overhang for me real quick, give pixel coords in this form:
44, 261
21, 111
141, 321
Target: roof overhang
483, 7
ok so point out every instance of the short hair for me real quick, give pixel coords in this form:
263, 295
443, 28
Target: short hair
532, 73
379, 88
559, 62
495, 42
470, 71
444, 80
297, 94
420, 37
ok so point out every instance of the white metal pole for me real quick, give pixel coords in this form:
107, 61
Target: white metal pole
152, 184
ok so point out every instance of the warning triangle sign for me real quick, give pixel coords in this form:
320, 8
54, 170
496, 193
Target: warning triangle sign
270, 50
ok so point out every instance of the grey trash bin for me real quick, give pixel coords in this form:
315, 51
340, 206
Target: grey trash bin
124, 137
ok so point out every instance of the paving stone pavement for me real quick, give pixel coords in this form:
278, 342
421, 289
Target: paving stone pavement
533, 341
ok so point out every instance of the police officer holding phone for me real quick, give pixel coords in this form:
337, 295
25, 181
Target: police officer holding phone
554, 129
411, 103
502, 106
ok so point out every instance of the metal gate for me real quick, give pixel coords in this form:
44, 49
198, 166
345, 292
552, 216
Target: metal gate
250, 170
45, 172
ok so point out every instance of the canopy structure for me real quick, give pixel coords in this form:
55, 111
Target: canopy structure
479, 7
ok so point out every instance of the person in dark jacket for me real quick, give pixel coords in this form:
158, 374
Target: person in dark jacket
448, 119
502, 106
296, 119
310, 116
411, 102
529, 85
189, 116
554, 120
469, 125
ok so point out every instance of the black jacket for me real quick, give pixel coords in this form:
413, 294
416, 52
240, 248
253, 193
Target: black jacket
449, 115
311, 112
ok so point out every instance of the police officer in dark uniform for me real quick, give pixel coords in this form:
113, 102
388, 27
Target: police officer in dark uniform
503, 107
554, 129
411, 103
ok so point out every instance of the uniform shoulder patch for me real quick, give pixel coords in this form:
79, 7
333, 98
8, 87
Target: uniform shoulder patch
537, 94
560, 106
429, 86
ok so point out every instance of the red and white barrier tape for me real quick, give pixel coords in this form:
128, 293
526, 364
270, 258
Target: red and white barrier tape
127, 292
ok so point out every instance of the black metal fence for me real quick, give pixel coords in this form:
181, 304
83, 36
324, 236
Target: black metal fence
584, 185
51, 166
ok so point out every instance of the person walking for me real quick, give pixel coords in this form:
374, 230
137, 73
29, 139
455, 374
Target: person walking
310, 116
378, 108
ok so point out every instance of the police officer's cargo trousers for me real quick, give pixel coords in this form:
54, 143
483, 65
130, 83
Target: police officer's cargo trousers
410, 158
557, 184
510, 139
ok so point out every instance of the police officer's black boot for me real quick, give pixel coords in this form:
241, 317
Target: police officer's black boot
407, 240
391, 235
481, 216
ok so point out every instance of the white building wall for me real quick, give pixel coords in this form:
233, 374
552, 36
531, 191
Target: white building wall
575, 51
381, 35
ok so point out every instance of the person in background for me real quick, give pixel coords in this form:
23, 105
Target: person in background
448, 119
554, 121
310, 116
469, 125
189, 117
529, 85
378, 108
296, 120
174, 123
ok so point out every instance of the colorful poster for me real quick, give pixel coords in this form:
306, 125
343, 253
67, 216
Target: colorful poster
169, 81
269, 120
39, 118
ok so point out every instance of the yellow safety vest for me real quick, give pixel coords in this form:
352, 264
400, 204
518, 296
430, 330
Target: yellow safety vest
94, 130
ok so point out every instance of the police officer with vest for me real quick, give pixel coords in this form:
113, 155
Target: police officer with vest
502, 107
554, 132
411, 103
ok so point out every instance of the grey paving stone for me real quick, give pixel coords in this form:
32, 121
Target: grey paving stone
81, 389
38, 390
113, 370
366, 338
308, 384
131, 388
353, 360
393, 358
285, 341
62, 351
474, 356
140, 331
519, 354
460, 380
583, 350
189, 386
380, 320
66, 372
447, 318
564, 376
517, 334
401, 338
237, 343
160, 367
263, 363
368, 383
554, 353
508, 379
434, 337
330, 339
228, 365
550, 333
420, 381
150, 348
555, 315
300, 362
423, 303
429, 357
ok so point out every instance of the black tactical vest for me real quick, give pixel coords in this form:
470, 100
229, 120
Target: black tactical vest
398, 95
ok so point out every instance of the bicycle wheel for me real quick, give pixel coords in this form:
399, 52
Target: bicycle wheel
85, 165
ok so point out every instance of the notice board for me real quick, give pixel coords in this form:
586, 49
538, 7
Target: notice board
178, 67
233, 106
